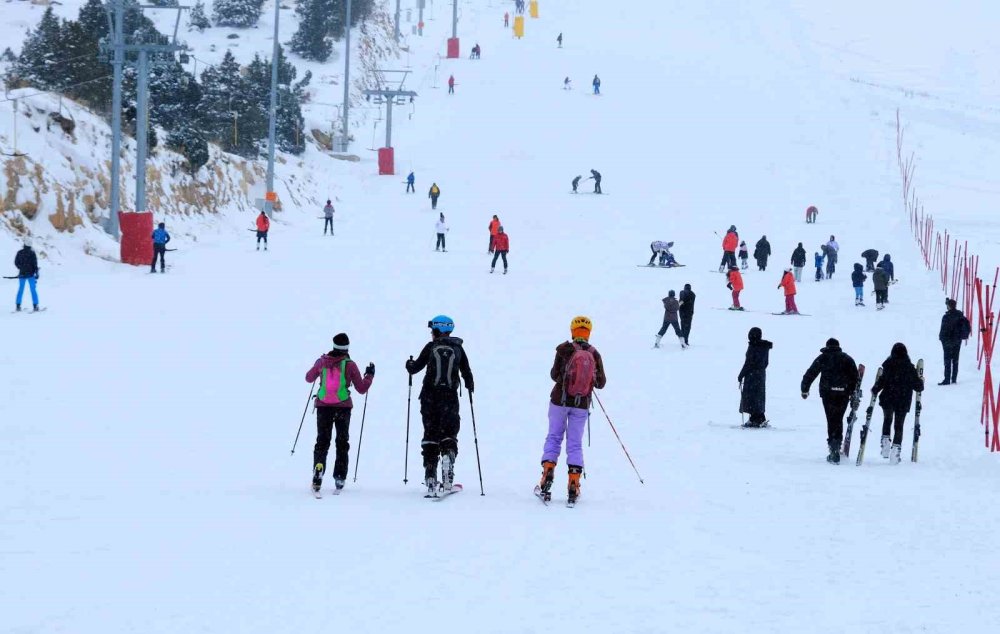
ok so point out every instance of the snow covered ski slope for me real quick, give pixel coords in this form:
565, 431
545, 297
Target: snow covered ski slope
145, 478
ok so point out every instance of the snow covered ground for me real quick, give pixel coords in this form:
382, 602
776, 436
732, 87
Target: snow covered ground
146, 483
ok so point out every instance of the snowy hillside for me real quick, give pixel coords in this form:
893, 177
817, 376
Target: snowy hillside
158, 495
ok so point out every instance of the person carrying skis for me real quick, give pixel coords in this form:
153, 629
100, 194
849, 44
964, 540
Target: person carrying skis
441, 228
501, 246
818, 261
753, 379
263, 226
26, 262
160, 240
577, 370
445, 359
411, 181
686, 312
880, 280
735, 284
955, 328
337, 373
451, 84
494, 225
788, 283
671, 308
762, 251
870, 256
858, 278
433, 194
832, 251
597, 85
838, 379
744, 256
576, 183
594, 174
811, 213
889, 268
729, 244
328, 217
897, 383
798, 261
559, 40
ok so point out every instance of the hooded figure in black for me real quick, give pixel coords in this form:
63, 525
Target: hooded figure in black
753, 377
897, 383
955, 328
761, 252
798, 261
686, 312
838, 381
870, 256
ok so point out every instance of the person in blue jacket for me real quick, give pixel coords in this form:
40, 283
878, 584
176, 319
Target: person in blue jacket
160, 240
410, 180
597, 85
818, 260
887, 265
27, 273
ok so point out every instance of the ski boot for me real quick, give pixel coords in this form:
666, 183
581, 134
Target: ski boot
491, 269
430, 480
574, 484
885, 446
447, 471
318, 476
17, 308
894, 452
656, 344
544, 488
338, 483
834, 457
36, 308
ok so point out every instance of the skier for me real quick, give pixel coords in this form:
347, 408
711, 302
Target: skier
870, 256
567, 85
506, 19
661, 250
837, 384
594, 174
762, 251
494, 225
735, 284
451, 84
729, 244
897, 383
559, 40
433, 194
744, 256
671, 307
328, 217
889, 268
263, 226
818, 261
753, 379
955, 328
788, 283
445, 358
880, 280
577, 370
798, 261
337, 373
832, 251
476, 52
26, 262
160, 240
686, 312
811, 213
411, 180
441, 228
501, 246
597, 85
858, 278
576, 183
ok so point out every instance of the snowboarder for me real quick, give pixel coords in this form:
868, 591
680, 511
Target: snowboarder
661, 250
501, 246
880, 280
735, 284
160, 240
411, 180
762, 251
729, 244
811, 213
26, 262
897, 383
597, 85
577, 370
955, 328
788, 283
567, 85
889, 268
559, 40
444, 357
451, 84
328, 217
686, 312
744, 256
433, 194
494, 225
837, 384
263, 226
594, 174
870, 256
858, 278
671, 308
576, 183
798, 261
753, 379
441, 228
818, 261
337, 373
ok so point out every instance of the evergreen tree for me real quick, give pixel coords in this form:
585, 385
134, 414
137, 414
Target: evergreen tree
41, 51
238, 13
85, 77
190, 142
198, 19
312, 39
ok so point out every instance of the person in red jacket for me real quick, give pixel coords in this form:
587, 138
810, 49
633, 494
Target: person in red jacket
263, 226
788, 283
451, 84
811, 213
735, 284
494, 225
729, 244
501, 245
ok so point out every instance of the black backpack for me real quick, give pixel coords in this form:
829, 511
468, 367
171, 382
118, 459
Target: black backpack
444, 359
965, 328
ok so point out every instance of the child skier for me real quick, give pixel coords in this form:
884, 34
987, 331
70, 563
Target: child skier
788, 283
858, 278
577, 370
744, 256
501, 246
263, 226
411, 180
576, 182
434, 193
818, 261
735, 284
337, 373
441, 228
897, 383
26, 262
753, 379
671, 307
445, 359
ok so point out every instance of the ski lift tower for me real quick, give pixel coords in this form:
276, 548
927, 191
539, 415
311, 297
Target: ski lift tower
389, 93
453, 52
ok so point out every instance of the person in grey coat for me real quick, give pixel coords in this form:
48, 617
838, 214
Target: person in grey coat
880, 279
753, 378
670, 309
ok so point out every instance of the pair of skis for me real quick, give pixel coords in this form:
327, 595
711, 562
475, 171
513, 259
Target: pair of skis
545, 497
441, 494
868, 419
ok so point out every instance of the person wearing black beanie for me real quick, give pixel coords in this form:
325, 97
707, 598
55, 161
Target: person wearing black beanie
838, 381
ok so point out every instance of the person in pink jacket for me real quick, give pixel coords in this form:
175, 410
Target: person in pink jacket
336, 374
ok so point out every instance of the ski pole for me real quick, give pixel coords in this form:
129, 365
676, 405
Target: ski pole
619, 438
304, 410
742, 418
588, 429
475, 438
406, 459
364, 411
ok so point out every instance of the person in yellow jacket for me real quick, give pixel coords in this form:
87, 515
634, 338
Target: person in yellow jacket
433, 195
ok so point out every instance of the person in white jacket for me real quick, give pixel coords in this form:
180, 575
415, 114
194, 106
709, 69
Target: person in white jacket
441, 229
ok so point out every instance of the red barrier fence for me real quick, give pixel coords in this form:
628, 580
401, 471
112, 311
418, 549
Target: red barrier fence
959, 271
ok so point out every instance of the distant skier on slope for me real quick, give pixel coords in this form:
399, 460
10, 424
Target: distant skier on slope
753, 379
263, 226
671, 308
506, 19
441, 228
434, 193
596, 176
838, 381
26, 262
160, 240
576, 183
597, 85
729, 244
858, 278
411, 180
811, 213
897, 383
686, 312
761, 252
870, 256
559, 40
328, 217
451, 84
661, 250
735, 284
567, 84
744, 256
798, 261
494, 225
337, 373
501, 247
818, 261
788, 284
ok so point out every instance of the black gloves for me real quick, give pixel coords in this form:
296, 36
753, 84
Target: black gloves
370, 370
469, 386
409, 366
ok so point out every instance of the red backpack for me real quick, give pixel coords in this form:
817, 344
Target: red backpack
580, 372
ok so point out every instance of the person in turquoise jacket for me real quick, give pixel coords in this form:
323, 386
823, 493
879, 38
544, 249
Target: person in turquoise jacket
160, 240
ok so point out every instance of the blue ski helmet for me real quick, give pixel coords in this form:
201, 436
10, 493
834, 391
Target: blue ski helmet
442, 324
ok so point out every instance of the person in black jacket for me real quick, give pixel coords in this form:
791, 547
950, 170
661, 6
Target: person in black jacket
838, 381
27, 273
897, 383
753, 379
955, 328
858, 278
762, 251
686, 312
870, 256
445, 358
798, 261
